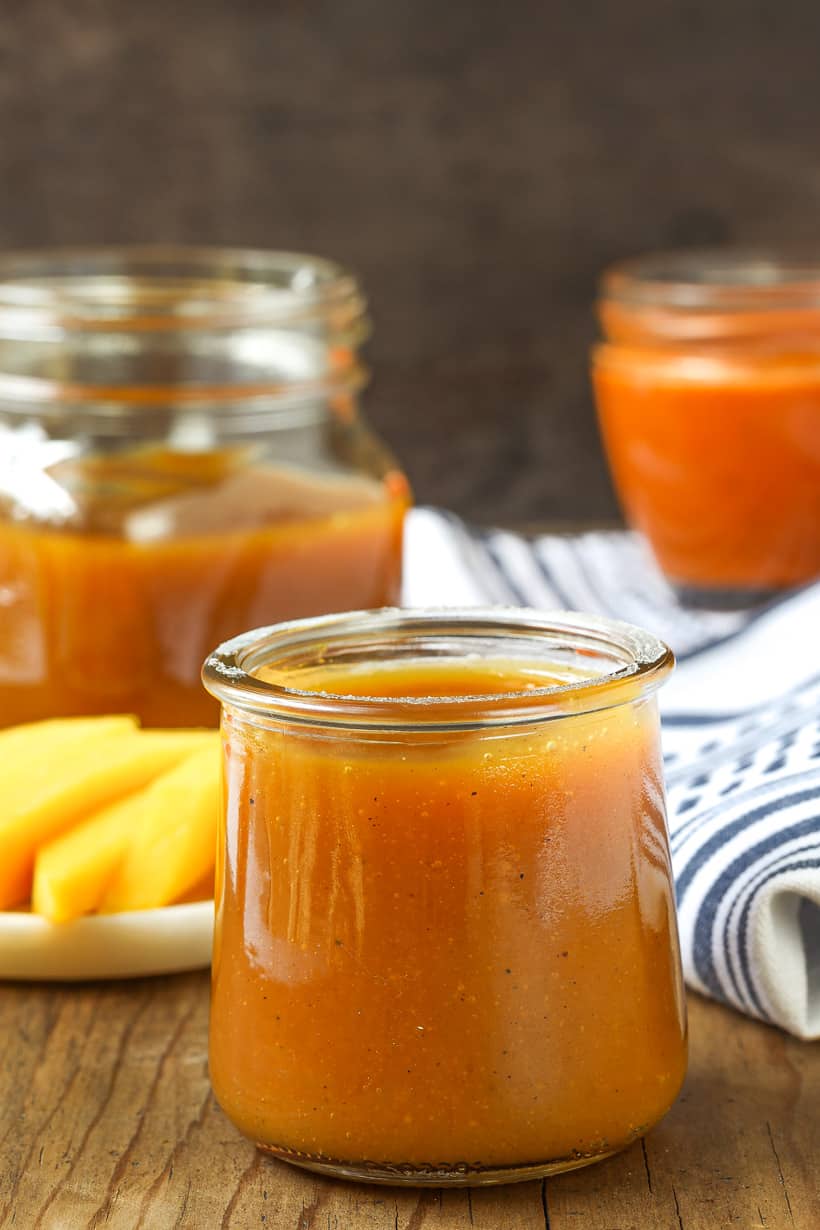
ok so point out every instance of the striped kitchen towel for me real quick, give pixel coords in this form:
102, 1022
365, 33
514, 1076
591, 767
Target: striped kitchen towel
741, 720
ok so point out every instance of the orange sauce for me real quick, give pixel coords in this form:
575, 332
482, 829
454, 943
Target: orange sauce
165, 555
719, 466
440, 948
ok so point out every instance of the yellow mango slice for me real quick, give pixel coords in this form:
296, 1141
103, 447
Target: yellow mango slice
203, 890
38, 741
45, 792
30, 755
72, 872
174, 846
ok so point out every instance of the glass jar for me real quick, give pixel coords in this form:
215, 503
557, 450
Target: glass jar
708, 395
445, 948
181, 457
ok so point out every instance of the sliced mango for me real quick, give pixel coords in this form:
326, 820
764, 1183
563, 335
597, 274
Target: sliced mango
203, 890
48, 786
72, 872
31, 756
173, 847
38, 741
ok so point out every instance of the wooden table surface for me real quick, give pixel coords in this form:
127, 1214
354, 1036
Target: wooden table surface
107, 1120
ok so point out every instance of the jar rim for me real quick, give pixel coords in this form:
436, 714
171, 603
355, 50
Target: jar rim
122, 334
643, 661
162, 287
716, 280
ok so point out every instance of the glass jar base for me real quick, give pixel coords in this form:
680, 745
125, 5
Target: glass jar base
455, 1174
723, 598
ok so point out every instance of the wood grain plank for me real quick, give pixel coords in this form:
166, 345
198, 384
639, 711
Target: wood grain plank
108, 1123
295, 1199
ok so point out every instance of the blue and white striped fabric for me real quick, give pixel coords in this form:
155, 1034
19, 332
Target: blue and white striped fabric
741, 720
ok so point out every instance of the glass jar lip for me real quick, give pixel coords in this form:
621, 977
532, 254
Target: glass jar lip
167, 287
645, 662
716, 280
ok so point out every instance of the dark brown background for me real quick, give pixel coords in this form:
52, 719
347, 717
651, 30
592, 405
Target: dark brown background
477, 161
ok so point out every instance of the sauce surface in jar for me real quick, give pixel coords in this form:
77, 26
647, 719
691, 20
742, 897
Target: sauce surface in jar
445, 953
708, 396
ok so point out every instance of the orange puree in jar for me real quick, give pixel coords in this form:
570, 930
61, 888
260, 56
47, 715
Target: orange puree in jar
164, 554
445, 954
183, 455
708, 395
720, 469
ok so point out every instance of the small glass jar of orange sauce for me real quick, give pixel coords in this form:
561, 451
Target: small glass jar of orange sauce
181, 457
708, 395
445, 948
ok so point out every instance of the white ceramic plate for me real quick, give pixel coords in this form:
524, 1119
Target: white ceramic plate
165, 941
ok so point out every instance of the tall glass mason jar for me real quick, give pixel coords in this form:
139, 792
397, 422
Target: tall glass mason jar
445, 948
181, 457
708, 392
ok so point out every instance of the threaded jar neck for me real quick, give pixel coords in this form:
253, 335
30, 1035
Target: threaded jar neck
121, 332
